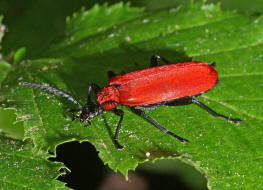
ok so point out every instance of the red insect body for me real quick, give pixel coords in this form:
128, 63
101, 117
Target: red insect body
159, 84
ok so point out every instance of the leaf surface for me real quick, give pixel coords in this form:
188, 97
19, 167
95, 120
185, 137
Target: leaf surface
23, 169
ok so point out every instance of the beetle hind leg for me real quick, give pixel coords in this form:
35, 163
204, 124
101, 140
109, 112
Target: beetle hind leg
158, 125
155, 58
215, 114
213, 64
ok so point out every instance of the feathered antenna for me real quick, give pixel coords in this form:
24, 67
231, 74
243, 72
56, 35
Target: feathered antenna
54, 91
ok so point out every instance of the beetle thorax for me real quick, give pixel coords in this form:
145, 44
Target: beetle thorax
109, 97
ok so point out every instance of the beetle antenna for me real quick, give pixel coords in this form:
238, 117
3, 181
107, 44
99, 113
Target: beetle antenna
54, 91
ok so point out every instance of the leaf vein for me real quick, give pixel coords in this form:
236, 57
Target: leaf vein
231, 108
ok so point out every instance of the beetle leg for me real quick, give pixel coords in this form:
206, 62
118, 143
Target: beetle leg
179, 102
111, 74
155, 58
212, 112
156, 124
88, 124
213, 64
73, 110
116, 135
74, 118
93, 87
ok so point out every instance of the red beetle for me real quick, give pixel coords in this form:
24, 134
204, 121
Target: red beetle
172, 84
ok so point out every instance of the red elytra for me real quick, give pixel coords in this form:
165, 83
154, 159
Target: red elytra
148, 88
161, 83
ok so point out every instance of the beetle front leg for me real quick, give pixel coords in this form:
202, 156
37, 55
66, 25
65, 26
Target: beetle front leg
156, 124
93, 87
116, 135
111, 74
74, 117
73, 110
213, 113
155, 58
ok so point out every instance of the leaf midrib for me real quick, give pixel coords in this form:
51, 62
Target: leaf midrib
227, 50
35, 104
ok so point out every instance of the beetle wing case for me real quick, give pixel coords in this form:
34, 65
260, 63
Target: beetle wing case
164, 83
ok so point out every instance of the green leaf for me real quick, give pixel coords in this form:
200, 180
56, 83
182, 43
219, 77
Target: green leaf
4, 69
9, 126
245, 6
45, 29
23, 169
151, 26
84, 24
19, 54
229, 155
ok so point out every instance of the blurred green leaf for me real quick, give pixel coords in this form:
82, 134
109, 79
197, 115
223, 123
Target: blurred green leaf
19, 55
229, 155
85, 23
45, 29
255, 6
183, 171
37, 29
4, 69
23, 169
